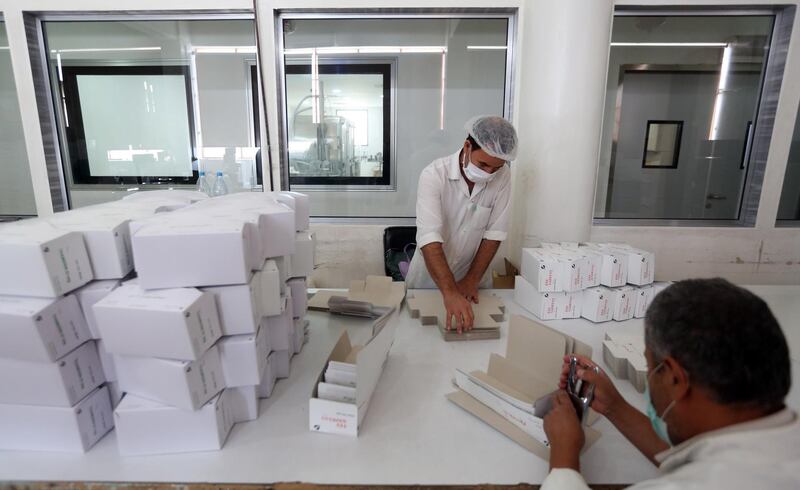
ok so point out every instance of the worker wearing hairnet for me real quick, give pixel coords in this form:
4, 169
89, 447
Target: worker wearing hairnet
463, 211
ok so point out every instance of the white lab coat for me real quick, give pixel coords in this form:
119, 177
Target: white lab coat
764, 453
449, 214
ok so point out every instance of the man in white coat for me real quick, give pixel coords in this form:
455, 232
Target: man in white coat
719, 371
463, 210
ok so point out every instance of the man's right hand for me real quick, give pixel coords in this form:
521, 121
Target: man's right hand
457, 306
607, 399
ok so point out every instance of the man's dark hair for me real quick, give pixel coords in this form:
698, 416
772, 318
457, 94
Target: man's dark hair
475, 145
726, 339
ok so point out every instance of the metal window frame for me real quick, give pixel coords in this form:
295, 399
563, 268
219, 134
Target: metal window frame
510, 14
772, 81
676, 145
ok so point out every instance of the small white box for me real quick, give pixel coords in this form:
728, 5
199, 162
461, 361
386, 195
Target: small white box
61, 429
623, 303
303, 257
301, 205
90, 294
270, 289
592, 271
40, 329
107, 361
644, 296
179, 323
299, 296
167, 255
570, 304
40, 260
59, 384
280, 327
268, 378
641, 265
244, 403
239, 306
280, 363
114, 392
541, 270
183, 384
614, 266
571, 270
336, 393
595, 305
542, 304
148, 427
243, 357
107, 238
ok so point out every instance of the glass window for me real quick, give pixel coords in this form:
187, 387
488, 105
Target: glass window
789, 209
146, 104
681, 105
368, 103
16, 189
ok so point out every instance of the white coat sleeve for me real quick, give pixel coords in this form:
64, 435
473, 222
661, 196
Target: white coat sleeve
564, 479
430, 218
497, 227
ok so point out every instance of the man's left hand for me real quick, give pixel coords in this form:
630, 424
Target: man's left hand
564, 432
468, 289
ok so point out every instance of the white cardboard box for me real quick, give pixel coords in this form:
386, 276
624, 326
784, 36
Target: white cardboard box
571, 273
595, 305
167, 255
244, 403
148, 427
303, 257
644, 296
299, 296
280, 327
301, 205
614, 268
40, 260
268, 377
594, 266
641, 265
90, 294
570, 304
244, 357
60, 384
107, 362
284, 265
61, 429
623, 303
542, 304
239, 306
179, 323
540, 269
345, 418
280, 363
114, 392
40, 329
182, 384
270, 289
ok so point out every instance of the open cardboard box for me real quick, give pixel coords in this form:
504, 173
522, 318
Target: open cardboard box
337, 417
505, 281
378, 291
530, 370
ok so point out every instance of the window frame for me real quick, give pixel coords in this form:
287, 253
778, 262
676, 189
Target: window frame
676, 150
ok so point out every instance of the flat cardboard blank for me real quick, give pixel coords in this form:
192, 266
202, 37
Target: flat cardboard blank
379, 291
428, 306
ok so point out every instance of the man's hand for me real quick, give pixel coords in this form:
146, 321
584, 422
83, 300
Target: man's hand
457, 306
468, 289
607, 399
564, 432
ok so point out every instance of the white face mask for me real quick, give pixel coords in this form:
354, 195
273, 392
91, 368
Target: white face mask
476, 175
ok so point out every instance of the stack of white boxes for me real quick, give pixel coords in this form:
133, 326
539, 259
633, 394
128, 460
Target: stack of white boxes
193, 334
599, 282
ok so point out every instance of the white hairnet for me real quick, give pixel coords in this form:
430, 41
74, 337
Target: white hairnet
494, 135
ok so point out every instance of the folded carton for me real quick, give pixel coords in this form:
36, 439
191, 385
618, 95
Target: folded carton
570, 305
339, 417
299, 296
541, 269
244, 403
298, 335
40, 260
180, 323
301, 205
614, 268
571, 270
596, 304
40, 329
60, 384
239, 306
544, 305
488, 313
270, 289
280, 363
61, 429
148, 427
593, 270
284, 264
268, 377
183, 384
167, 254
530, 370
303, 257
624, 356
90, 294
644, 296
280, 327
505, 281
623, 303
379, 291
641, 265
244, 357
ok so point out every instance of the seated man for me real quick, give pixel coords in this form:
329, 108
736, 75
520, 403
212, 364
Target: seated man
718, 374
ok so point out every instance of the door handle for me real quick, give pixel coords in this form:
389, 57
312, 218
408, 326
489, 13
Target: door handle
716, 197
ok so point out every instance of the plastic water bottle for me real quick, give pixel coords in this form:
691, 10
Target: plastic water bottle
202, 184
220, 187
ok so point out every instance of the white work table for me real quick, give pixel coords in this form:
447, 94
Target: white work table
411, 433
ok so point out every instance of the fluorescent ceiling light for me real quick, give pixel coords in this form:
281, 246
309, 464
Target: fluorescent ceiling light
98, 50
673, 45
487, 48
224, 49
366, 50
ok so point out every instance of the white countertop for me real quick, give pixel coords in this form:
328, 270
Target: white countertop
411, 434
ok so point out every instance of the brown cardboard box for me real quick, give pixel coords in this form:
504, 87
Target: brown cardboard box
379, 291
505, 281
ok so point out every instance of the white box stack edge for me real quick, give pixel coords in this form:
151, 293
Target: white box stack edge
596, 281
